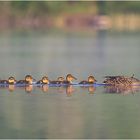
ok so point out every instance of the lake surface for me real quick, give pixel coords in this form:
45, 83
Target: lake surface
69, 112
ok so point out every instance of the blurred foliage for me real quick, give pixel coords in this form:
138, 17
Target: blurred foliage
122, 7
43, 8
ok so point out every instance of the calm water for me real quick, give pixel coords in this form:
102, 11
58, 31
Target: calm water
72, 112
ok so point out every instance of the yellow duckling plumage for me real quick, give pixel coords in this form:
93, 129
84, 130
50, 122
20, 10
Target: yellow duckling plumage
69, 79
44, 80
11, 80
28, 80
91, 80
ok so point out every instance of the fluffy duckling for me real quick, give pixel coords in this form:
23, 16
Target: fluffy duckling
59, 80
11, 80
69, 79
44, 80
28, 80
91, 80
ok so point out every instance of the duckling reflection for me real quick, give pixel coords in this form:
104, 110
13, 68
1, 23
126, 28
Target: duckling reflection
11, 88
69, 90
28, 88
45, 88
122, 89
61, 89
91, 89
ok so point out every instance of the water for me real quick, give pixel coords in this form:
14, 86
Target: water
72, 112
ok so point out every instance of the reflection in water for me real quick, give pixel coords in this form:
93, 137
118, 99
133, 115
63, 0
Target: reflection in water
11, 88
28, 88
45, 88
61, 89
69, 90
122, 89
91, 89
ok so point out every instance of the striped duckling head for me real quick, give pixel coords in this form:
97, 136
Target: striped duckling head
70, 78
11, 80
45, 80
29, 79
91, 79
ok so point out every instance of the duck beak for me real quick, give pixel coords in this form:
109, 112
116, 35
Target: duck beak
74, 78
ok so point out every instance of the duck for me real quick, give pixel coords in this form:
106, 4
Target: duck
69, 79
121, 80
44, 80
91, 80
28, 80
11, 80
59, 80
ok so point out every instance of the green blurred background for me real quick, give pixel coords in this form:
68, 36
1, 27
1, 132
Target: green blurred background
120, 15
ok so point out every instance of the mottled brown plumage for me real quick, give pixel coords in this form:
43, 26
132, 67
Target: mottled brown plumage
121, 80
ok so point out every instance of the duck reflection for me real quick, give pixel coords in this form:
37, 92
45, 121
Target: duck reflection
91, 89
11, 88
45, 88
28, 88
122, 89
61, 89
69, 90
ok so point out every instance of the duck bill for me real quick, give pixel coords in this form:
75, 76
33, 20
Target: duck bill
74, 78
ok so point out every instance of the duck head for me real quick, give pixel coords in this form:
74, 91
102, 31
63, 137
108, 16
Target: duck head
45, 80
60, 79
11, 80
70, 78
91, 79
29, 79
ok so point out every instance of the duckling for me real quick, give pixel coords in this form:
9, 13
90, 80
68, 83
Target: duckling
11, 80
59, 80
28, 80
121, 80
4, 82
44, 80
69, 79
91, 80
